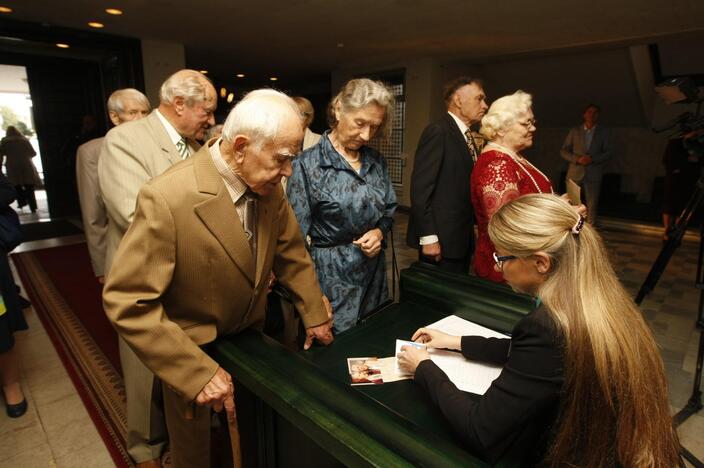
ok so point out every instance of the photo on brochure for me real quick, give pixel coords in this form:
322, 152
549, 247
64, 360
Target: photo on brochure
364, 371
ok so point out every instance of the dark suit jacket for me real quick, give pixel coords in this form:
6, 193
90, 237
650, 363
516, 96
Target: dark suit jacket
440, 198
524, 398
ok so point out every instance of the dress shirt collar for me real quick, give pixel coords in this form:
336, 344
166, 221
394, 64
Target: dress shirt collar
235, 185
462, 126
584, 127
173, 134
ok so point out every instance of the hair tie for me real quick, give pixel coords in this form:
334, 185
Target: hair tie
577, 228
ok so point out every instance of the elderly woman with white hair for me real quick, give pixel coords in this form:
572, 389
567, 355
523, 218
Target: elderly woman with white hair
342, 195
502, 173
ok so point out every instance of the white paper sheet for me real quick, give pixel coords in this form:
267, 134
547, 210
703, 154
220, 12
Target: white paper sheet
467, 375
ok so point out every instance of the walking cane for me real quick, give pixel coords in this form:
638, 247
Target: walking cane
234, 434
233, 429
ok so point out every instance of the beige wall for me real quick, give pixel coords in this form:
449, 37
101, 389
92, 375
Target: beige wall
620, 79
160, 60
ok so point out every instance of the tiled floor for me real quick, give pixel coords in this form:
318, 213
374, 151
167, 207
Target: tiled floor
57, 431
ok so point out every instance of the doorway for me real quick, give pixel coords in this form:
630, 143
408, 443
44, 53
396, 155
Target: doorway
16, 112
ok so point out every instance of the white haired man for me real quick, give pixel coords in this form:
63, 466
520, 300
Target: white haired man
168, 297
133, 154
124, 105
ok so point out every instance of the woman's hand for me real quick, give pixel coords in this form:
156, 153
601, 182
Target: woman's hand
437, 339
370, 242
410, 357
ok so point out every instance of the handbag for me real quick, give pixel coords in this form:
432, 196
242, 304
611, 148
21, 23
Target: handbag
10, 233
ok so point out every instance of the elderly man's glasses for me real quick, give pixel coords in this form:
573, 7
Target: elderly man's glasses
500, 259
528, 123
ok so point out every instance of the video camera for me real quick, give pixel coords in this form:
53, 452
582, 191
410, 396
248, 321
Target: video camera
690, 125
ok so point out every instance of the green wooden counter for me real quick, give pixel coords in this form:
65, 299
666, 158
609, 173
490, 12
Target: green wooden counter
298, 409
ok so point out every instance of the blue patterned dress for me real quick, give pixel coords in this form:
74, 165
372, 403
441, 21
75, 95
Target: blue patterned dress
335, 205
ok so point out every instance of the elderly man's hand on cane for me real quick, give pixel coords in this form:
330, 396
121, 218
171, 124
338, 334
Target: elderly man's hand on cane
219, 393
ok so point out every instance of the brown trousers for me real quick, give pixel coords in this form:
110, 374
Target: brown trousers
189, 438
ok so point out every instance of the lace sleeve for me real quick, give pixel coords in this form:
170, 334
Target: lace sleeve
498, 185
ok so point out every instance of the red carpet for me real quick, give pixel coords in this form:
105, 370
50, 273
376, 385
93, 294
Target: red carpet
66, 296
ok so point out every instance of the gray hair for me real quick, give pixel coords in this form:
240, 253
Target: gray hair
188, 84
361, 92
259, 115
306, 108
504, 112
116, 101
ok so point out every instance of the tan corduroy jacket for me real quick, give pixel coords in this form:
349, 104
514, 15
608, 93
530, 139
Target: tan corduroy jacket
184, 274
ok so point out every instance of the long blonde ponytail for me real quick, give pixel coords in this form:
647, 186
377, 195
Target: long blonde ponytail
614, 408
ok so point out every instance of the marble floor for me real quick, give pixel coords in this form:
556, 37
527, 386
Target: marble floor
57, 431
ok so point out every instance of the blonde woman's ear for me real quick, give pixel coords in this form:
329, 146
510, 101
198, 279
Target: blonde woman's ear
543, 262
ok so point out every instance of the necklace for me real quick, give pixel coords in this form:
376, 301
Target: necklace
341, 151
521, 161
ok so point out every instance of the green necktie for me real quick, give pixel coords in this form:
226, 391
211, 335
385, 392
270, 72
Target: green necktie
182, 148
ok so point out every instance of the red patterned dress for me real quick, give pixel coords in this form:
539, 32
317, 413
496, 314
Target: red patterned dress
498, 178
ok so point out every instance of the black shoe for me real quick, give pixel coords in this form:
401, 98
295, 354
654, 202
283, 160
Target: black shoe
15, 411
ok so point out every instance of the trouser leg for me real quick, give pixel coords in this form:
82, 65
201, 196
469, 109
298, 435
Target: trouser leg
189, 436
592, 190
146, 428
21, 200
31, 199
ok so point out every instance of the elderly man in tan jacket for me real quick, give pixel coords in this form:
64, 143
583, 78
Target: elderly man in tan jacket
124, 105
134, 153
196, 262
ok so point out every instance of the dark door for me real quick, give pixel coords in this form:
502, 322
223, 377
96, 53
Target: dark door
68, 111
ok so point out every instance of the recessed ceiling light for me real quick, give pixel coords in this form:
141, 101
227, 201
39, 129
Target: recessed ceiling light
95, 24
273, 78
223, 92
113, 11
4, 9
230, 97
240, 75
61, 45
205, 72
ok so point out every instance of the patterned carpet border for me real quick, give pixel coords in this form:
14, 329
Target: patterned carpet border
96, 380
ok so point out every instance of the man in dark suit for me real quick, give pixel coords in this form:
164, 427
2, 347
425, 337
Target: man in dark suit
587, 147
441, 224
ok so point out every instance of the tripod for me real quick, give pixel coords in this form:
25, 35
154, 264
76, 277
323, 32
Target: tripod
694, 404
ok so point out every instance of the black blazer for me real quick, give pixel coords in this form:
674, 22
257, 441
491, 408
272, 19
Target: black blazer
524, 399
440, 197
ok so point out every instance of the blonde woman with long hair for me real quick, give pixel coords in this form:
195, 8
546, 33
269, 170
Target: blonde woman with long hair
582, 373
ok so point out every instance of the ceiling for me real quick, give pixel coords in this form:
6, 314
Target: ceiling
307, 38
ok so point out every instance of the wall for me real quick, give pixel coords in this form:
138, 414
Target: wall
160, 60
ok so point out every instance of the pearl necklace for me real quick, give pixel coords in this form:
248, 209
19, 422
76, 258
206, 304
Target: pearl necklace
521, 161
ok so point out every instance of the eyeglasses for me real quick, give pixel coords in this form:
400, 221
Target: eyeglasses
529, 123
500, 259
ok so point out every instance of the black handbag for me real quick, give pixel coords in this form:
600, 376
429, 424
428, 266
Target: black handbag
10, 232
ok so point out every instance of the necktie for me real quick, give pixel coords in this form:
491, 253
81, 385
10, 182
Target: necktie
472, 145
182, 148
250, 221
